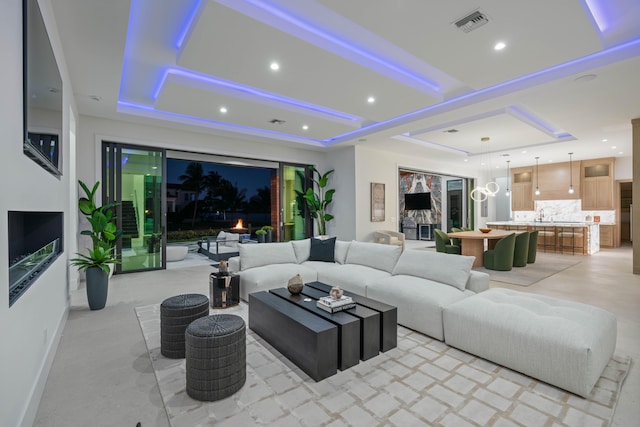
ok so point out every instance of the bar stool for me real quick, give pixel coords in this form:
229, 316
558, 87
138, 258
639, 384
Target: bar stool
548, 235
571, 238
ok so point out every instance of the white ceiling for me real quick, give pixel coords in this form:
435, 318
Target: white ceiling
173, 63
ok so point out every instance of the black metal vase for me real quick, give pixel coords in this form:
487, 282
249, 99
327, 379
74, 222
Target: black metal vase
97, 287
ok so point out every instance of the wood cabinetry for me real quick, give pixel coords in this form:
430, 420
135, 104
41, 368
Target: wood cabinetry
597, 184
554, 180
522, 189
606, 236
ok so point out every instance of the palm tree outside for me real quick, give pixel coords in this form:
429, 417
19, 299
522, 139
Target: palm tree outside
194, 180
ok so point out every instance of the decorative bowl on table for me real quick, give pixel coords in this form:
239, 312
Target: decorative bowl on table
484, 230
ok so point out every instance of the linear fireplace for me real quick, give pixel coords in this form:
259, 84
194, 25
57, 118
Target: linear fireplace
35, 241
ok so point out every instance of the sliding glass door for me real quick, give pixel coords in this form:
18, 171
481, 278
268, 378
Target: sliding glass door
133, 176
295, 222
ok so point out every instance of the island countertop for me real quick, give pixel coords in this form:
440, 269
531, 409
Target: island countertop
545, 223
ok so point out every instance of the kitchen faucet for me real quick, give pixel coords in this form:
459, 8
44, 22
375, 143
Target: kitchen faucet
541, 215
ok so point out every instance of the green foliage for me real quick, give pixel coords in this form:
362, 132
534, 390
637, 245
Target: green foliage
103, 233
267, 228
318, 202
261, 232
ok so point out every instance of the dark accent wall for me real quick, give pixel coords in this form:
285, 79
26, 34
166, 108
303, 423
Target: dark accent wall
420, 182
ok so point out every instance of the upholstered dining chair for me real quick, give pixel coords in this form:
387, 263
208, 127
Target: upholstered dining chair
443, 243
501, 256
533, 247
521, 250
454, 241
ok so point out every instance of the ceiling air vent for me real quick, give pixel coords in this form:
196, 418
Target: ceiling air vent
451, 131
471, 22
276, 121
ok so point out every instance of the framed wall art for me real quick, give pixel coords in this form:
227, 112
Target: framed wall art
377, 202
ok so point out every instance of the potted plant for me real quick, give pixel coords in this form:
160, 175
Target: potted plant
318, 202
260, 235
100, 258
269, 233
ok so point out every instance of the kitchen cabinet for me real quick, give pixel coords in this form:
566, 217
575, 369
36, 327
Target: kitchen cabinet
522, 189
606, 236
597, 184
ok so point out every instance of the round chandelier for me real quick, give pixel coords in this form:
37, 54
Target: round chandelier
491, 188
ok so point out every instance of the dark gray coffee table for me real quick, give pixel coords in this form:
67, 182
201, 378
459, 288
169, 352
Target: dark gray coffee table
319, 342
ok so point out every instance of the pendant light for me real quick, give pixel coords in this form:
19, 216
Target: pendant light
480, 194
570, 174
537, 187
508, 193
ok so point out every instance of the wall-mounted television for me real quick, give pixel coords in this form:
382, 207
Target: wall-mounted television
42, 90
417, 201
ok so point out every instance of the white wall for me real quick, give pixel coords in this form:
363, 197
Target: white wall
623, 168
30, 329
373, 165
345, 200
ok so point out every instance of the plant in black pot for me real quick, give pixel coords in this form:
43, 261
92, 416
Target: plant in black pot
268, 238
100, 257
260, 235
317, 202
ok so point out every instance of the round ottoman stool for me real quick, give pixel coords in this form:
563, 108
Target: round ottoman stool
175, 315
216, 356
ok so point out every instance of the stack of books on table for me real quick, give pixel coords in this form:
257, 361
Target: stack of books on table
334, 305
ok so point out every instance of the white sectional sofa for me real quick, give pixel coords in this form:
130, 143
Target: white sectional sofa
420, 283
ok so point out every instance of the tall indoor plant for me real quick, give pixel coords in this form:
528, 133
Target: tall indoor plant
100, 258
318, 202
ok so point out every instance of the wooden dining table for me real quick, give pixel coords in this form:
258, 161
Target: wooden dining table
473, 242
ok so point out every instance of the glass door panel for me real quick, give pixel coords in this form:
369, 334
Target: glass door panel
294, 213
136, 182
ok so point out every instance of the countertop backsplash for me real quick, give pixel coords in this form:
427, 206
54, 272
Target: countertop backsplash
563, 210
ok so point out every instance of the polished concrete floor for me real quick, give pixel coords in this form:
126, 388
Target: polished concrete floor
102, 375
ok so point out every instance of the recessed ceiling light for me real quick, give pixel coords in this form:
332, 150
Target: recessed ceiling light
620, 152
305, 127
371, 100
466, 160
524, 151
613, 147
274, 66
499, 46
550, 161
605, 140
223, 110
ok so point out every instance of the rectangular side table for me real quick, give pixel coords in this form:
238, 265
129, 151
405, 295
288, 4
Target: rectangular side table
224, 291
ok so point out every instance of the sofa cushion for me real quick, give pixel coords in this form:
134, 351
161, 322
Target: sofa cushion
232, 239
257, 255
341, 250
351, 277
420, 301
267, 277
302, 248
452, 270
322, 249
374, 255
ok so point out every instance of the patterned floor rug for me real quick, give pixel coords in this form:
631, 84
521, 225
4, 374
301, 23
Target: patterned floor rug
421, 382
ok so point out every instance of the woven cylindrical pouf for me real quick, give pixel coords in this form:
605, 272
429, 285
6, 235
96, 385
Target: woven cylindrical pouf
176, 313
216, 356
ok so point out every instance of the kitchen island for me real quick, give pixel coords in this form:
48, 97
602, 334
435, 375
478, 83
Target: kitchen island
576, 238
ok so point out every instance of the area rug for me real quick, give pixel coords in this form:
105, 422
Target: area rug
546, 265
421, 382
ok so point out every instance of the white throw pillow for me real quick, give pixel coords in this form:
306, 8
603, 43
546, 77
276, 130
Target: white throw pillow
450, 269
374, 255
259, 254
221, 236
302, 248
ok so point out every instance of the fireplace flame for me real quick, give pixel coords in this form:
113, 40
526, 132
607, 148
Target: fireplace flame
239, 224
